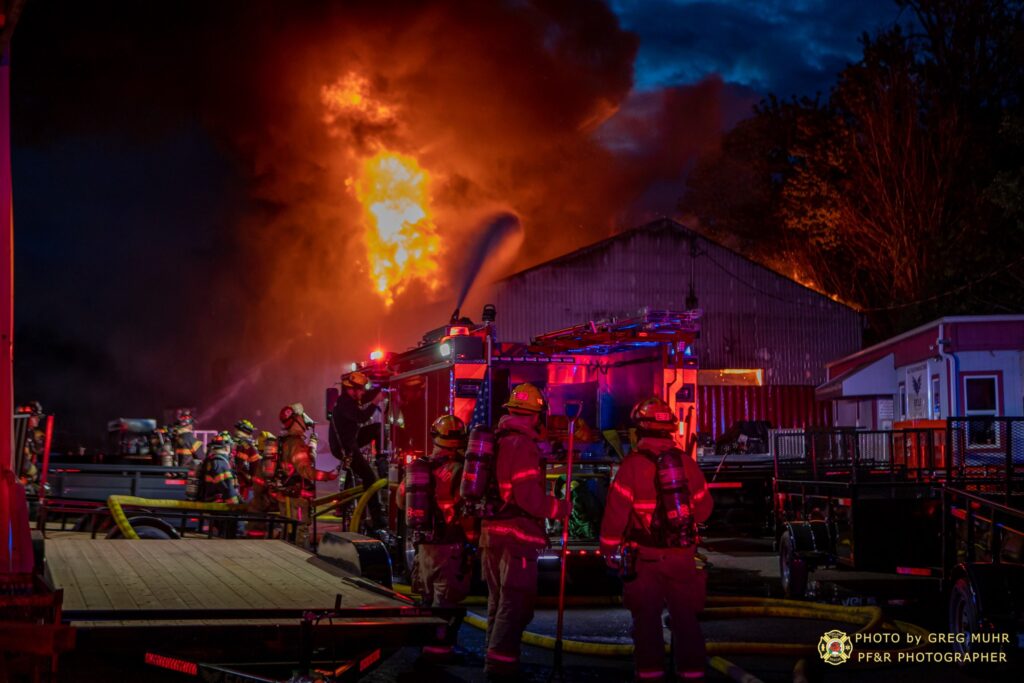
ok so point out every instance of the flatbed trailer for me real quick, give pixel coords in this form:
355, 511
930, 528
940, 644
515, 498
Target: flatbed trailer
223, 610
923, 503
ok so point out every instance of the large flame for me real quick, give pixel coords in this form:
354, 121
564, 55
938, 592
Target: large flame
401, 239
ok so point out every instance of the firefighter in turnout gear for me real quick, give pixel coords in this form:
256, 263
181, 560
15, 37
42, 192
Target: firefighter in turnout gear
349, 433
246, 456
512, 539
264, 481
298, 468
187, 446
219, 485
219, 476
32, 452
429, 494
654, 505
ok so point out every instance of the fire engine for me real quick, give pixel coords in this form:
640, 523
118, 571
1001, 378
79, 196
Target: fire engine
607, 366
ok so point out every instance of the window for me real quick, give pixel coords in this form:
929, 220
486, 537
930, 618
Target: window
981, 399
936, 398
903, 400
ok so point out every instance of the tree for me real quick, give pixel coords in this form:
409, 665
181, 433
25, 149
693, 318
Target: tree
896, 192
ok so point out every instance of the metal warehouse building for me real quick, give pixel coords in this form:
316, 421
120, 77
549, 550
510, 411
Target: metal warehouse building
765, 339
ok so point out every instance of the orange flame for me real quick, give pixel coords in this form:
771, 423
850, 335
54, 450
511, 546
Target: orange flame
401, 239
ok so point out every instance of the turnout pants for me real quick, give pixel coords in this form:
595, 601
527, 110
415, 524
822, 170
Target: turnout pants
510, 570
440, 577
666, 577
262, 503
298, 509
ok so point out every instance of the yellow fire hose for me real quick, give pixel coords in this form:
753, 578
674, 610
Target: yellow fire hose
334, 500
357, 514
114, 504
724, 607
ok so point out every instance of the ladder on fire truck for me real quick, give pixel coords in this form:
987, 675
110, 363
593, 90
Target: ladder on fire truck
648, 325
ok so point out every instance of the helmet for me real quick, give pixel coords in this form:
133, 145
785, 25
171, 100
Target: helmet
525, 398
185, 418
448, 431
245, 427
355, 380
290, 413
265, 438
653, 414
222, 440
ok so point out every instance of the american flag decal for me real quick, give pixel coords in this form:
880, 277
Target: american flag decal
483, 402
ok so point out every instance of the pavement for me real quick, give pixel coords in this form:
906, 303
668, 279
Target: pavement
738, 566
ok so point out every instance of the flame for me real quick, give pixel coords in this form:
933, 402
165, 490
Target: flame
350, 96
401, 239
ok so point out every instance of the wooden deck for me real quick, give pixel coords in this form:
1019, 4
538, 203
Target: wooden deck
129, 575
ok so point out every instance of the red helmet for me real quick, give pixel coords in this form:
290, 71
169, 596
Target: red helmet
654, 415
294, 412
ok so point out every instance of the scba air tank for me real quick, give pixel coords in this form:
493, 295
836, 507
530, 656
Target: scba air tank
417, 495
194, 482
674, 499
479, 468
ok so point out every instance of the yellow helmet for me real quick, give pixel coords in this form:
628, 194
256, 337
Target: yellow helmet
525, 398
264, 438
448, 431
654, 414
355, 380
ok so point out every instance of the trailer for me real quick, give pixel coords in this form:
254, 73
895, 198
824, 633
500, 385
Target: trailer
945, 505
224, 610
607, 366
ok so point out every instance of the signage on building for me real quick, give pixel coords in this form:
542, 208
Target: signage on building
917, 392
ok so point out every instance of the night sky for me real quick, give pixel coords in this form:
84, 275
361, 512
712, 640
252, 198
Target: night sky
184, 236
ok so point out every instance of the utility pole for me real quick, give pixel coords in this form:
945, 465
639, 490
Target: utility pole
11, 11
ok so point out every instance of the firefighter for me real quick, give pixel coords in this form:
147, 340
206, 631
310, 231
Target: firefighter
512, 539
187, 446
32, 452
219, 485
349, 433
245, 456
264, 481
440, 573
298, 468
655, 503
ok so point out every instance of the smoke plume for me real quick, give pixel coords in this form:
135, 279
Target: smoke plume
512, 106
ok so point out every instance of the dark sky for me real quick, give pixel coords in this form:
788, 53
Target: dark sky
183, 231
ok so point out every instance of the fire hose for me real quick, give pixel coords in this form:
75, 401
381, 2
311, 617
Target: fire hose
870, 619
114, 504
357, 514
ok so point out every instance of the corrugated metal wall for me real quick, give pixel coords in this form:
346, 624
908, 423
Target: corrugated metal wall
753, 317
786, 407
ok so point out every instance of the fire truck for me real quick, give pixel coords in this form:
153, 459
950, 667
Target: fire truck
607, 366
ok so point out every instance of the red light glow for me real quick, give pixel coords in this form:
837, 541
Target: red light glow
179, 665
458, 331
376, 355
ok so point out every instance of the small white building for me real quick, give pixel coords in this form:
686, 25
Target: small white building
955, 367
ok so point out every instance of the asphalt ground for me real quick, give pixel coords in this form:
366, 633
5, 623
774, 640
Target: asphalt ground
738, 566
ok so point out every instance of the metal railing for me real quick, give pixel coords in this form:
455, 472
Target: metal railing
985, 454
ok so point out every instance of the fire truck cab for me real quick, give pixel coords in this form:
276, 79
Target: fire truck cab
608, 366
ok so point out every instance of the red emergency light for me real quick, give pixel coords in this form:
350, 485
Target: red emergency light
376, 355
179, 665
458, 331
